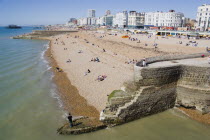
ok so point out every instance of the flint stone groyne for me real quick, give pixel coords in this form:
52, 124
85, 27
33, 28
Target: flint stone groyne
42, 33
167, 81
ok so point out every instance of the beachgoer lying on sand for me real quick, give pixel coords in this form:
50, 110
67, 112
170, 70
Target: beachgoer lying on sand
104, 50
85, 73
95, 59
195, 44
101, 78
59, 69
88, 71
80, 51
128, 62
131, 61
145, 44
68, 61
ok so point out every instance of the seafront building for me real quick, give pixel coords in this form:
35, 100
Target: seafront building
100, 21
106, 20
91, 13
72, 22
153, 20
188, 23
135, 19
89, 20
120, 20
82, 21
160, 19
203, 18
86, 21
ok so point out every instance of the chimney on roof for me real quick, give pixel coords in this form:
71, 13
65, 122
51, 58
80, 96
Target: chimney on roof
171, 10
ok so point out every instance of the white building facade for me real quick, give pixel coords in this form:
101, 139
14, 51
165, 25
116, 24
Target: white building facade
203, 18
160, 19
121, 19
91, 13
100, 21
106, 20
86, 21
135, 19
82, 21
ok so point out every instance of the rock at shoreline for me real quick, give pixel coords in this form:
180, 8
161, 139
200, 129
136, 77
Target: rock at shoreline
82, 125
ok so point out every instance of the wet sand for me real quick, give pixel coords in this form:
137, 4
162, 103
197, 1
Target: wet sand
196, 115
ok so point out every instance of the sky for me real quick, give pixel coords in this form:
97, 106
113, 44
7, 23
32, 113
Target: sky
45, 12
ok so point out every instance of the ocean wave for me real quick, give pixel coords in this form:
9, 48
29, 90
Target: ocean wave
51, 77
47, 70
43, 59
46, 47
54, 94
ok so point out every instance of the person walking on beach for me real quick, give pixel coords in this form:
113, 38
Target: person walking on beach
70, 120
208, 49
155, 46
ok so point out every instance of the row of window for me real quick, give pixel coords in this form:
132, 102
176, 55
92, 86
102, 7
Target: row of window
206, 9
163, 24
163, 20
204, 14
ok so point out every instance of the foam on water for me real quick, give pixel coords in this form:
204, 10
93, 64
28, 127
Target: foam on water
54, 94
46, 47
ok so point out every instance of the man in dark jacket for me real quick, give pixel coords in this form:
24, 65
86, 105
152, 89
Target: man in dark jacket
70, 120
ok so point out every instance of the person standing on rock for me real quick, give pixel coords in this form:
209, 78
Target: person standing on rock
144, 64
70, 120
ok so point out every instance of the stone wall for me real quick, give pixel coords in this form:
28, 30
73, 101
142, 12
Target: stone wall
195, 76
49, 33
160, 88
159, 76
171, 57
193, 88
36, 34
151, 101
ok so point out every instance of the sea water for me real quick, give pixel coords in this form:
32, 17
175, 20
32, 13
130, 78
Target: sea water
30, 108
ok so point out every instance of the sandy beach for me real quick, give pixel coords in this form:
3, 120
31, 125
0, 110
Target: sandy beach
117, 56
